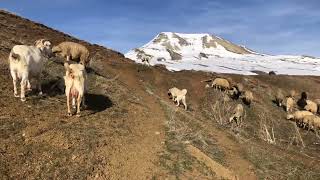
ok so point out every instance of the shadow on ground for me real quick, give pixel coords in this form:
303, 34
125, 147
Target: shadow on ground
97, 102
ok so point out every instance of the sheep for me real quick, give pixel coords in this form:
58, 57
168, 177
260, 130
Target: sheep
311, 106
247, 97
27, 62
75, 82
289, 104
298, 116
221, 83
279, 97
172, 93
239, 87
178, 95
292, 93
302, 102
237, 115
234, 93
72, 51
310, 121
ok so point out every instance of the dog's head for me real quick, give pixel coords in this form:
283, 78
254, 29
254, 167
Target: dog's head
45, 47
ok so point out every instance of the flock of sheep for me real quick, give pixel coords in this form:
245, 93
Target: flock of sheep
27, 63
305, 115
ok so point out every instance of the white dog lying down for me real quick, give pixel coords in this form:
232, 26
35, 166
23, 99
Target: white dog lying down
75, 81
178, 95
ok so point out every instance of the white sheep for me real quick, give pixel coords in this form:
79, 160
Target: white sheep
311, 121
237, 115
247, 97
289, 104
221, 83
75, 81
27, 62
178, 95
311, 106
72, 51
298, 116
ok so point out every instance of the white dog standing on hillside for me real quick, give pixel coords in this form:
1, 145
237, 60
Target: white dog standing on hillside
178, 95
75, 81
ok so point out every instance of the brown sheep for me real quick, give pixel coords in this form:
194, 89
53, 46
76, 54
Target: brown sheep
221, 83
247, 97
72, 51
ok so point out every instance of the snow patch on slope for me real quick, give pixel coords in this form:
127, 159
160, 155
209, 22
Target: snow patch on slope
213, 54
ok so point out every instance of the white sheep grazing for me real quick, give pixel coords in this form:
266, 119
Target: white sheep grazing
72, 51
247, 97
172, 93
298, 116
237, 115
311, 106
311, 121
279, 97
27, 62
289, 104
178, 95
75, 81
221, 83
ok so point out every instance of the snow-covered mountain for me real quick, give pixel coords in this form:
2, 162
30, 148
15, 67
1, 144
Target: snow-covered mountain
206, 52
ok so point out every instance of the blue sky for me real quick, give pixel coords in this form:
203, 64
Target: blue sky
268, 26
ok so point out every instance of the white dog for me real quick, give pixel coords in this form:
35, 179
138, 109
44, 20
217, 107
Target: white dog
178, 95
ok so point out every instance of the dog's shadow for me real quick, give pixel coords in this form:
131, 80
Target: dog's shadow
97, 102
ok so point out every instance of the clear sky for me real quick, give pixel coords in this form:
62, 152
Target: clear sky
267, 26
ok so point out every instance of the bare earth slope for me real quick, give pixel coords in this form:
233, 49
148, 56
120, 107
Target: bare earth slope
131, 130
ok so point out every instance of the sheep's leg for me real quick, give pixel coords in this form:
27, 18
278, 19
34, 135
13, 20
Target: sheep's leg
184, 103
14, 79
23, 84
78, 105
68, 58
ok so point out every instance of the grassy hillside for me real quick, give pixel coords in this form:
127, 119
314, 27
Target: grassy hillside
131, 130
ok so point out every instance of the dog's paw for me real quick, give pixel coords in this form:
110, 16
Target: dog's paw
23, 99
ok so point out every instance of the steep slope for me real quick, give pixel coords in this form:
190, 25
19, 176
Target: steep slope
131, 130
213, 54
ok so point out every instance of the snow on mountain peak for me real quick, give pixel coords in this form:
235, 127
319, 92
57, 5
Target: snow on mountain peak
178, 51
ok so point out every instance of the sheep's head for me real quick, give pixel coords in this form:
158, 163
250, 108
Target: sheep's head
290, 117
304, 95
56, 50
45, 46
